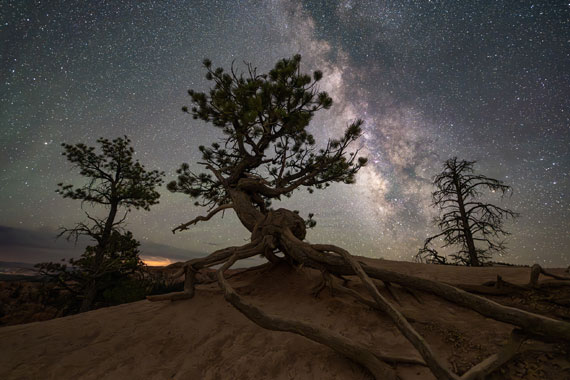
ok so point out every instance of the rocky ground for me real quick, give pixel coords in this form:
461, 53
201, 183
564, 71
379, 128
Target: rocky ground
206, 338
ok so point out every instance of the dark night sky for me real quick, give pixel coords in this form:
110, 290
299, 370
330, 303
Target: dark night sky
481, 80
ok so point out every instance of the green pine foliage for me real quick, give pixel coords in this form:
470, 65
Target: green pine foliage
116, 182
264, 120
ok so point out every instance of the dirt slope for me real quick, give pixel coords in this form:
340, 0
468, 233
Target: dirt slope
205, 338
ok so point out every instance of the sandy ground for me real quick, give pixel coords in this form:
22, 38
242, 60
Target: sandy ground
206, 338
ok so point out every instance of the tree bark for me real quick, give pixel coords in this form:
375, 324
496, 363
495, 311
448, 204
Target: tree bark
473, 259
309, 255
285, 230
244, 208
93, 284
89, 296
345, 346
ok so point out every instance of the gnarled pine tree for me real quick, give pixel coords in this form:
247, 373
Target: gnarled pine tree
465, 221
115, 180
267, 153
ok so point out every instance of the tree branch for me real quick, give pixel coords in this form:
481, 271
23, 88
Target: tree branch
185, 226
484, 368
434, 362
342, 345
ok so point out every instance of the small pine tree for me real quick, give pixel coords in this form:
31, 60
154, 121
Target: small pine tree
115, 181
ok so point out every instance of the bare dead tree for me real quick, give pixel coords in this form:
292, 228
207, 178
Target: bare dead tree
267, 153
465, 221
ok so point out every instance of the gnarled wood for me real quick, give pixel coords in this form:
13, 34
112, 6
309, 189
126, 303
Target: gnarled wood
493, 362
313, 256
284, 230
434, 362
359, 353
218, 257
197, 219
537, 270
245, 210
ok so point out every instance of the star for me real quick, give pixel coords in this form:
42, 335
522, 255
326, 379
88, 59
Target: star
430, 80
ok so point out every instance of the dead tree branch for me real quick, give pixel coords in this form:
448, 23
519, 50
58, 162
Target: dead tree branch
185, 226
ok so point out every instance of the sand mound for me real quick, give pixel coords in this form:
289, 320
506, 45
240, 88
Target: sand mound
205, 338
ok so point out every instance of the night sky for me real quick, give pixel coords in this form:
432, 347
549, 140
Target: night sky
482, 80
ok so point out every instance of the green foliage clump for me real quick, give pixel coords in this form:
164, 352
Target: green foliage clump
114, 181
266, 149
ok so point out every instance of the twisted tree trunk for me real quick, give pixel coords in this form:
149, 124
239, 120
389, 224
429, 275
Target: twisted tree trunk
93, 285
283, 230
467, 235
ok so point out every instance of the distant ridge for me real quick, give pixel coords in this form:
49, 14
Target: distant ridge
15, 264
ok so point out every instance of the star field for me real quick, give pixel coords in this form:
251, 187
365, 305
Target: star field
486, 81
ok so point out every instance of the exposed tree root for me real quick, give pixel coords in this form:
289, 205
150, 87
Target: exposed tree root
501, 287
434, 362
392, 293
359, 353
342, 289
315, 256
190, 268
316, 291
536, 270
493, 362
281, 230
413, 294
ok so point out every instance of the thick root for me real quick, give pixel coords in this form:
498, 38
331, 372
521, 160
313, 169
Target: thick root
218, 257
284, 231
357, 352
501, 287
536, 270
493, 362
360, 298
435, 363
316, 256
392, 293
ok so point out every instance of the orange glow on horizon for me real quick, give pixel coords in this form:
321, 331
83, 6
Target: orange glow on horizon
153, 261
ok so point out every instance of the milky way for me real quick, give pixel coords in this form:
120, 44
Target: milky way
485, 81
